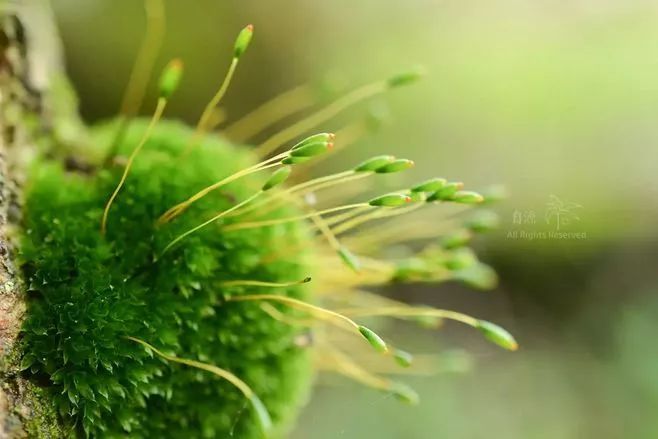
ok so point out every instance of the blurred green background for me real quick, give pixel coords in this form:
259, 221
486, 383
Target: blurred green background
548, 97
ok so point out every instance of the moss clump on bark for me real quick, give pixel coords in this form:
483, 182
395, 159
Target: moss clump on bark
88, 292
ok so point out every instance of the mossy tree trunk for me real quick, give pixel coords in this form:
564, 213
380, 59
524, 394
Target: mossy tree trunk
30, 66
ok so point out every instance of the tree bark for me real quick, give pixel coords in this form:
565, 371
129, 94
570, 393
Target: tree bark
30, 71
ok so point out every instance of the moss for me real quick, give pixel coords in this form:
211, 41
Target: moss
26, 408
43, 422
87, 292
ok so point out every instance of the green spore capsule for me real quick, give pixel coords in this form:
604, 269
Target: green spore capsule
295, 160
390, 200
277, 177
373, 163
412, 269
315, 138
395, 166
431, 185
460, 259
243, 40
456, 239
170, 78
406, 78
497, 335
373, 339
467, 197
311, 149
403, 358
446, 192
405, 393
479, 276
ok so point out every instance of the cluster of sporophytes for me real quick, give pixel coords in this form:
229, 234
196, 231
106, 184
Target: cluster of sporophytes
170, 285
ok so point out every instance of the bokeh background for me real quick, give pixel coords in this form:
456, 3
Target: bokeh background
548, 97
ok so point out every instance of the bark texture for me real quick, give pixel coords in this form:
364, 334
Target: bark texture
30, 67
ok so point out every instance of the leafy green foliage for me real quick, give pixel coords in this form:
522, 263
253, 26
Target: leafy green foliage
87, 292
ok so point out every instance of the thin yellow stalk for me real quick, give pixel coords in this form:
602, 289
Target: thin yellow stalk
299, 128
269, 113
162, 103
316, 311
255, 224
141, 71
257, 283
261, 412
181, 207
202, 125
410, 311
210, 221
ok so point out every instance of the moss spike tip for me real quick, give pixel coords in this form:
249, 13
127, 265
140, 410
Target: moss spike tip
170, 78
374, 163
403, 358
373, 339
243, 40
278, 177
406, 78
312, 149
467, 197
432, 185
390, 200
497, 335
405, 393
396, 165
315, 138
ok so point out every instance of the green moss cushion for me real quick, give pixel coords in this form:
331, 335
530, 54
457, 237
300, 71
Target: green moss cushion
87, 292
